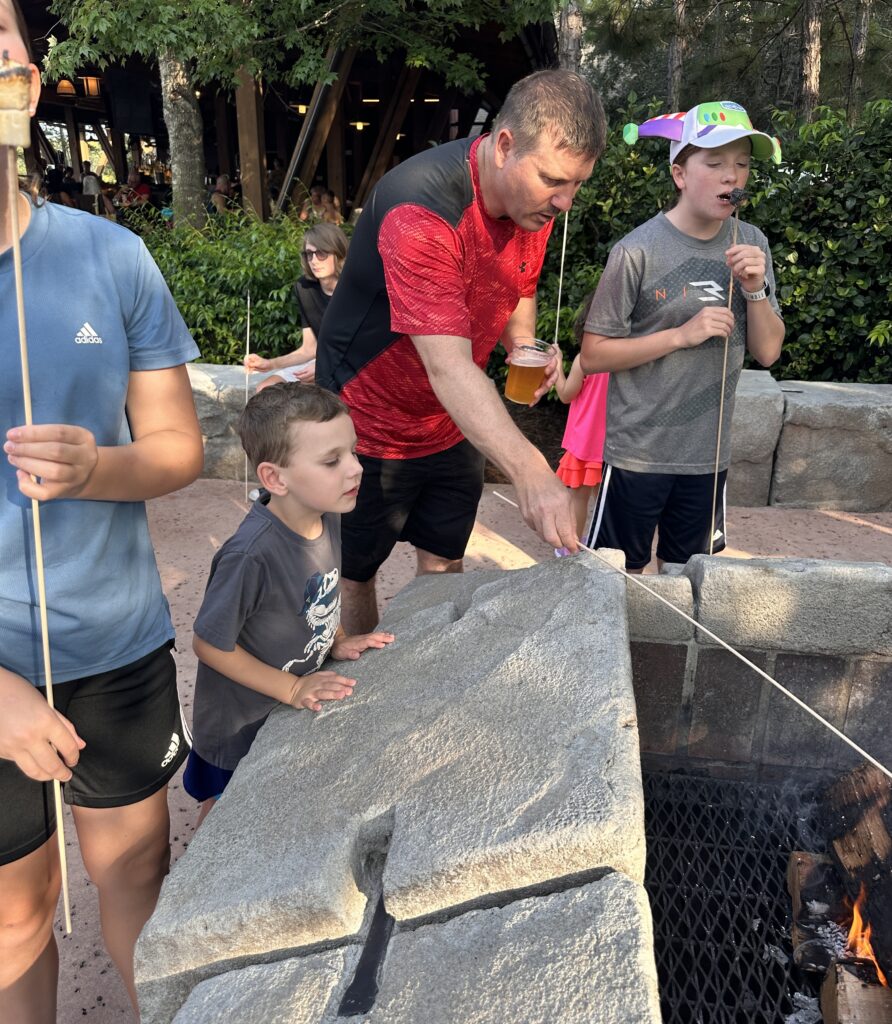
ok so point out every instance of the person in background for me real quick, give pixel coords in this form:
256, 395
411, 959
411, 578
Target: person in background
114, 425
331, 208
583, 459
324, 252
312, 207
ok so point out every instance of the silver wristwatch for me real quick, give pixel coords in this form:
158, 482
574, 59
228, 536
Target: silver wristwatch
762, 293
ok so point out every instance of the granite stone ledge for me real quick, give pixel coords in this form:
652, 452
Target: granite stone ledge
835, 448
801, 605
492, 747
582, 956
755, 431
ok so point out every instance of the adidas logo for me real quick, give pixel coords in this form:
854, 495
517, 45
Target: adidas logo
87, 336
174, 741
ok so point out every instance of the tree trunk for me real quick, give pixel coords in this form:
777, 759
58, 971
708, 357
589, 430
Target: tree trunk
859, 52
810, 65
569, 31
186, 131
676, 56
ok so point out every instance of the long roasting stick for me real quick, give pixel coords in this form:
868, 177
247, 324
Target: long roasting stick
15, 131
738, 196
792, 696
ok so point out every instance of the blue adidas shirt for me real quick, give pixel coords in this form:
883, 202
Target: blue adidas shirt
96, 309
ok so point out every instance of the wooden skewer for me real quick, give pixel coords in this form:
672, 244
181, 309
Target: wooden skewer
718, 440
12, 174
247, 377
779, 686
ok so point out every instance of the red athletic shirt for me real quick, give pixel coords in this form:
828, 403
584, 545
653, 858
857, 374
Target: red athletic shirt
449, 268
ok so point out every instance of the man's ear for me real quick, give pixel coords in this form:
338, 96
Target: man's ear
503, 147
677, 172
270, 478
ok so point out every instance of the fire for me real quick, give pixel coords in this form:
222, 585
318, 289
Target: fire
858, 943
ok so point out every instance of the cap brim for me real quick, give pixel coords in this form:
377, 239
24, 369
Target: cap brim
763, 145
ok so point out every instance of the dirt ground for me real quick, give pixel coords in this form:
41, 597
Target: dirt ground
189, 526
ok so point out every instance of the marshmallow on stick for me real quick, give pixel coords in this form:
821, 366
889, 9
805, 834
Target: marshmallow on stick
15, 99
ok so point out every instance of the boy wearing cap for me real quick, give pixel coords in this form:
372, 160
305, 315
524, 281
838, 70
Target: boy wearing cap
658, 324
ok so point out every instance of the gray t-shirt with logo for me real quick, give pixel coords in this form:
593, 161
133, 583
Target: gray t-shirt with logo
662, 417
277, 595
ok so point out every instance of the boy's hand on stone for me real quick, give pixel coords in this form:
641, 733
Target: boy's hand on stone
747, 264
308, 691
41, 741
710, 322
60, 455
349, 648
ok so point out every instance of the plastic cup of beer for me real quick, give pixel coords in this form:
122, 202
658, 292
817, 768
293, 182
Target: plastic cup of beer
526, 371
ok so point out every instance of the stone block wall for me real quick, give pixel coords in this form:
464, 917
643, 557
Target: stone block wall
821, 629
482, 786
794, 444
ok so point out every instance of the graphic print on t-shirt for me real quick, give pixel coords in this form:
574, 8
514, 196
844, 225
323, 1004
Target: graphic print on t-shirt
322, 611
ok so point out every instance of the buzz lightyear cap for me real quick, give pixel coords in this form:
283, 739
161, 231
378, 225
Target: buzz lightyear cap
707, 126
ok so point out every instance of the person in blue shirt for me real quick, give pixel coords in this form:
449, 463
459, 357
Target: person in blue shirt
114, 424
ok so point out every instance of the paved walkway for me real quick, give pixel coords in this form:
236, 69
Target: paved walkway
188, 527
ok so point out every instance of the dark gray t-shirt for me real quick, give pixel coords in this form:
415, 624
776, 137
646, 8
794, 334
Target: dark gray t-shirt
277, 595
662, 417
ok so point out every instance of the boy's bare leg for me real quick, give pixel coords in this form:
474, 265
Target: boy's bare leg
29, 959
579, 500
359, 608
126, 852
206, 807
427, 563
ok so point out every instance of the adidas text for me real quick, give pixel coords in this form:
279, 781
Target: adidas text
87, 336
171, 750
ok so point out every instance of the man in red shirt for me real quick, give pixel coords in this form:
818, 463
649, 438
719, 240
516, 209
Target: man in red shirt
443, 265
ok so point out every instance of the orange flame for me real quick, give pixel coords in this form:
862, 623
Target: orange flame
859, 937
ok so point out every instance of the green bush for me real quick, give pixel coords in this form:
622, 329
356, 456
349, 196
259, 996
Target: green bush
210, 272
826, 212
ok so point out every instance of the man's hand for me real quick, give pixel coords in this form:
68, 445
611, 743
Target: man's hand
747, 264
545, 506
710, 322
41, 741
253, 362
349, 648
308, 691
308, 374
61, 455
551, 374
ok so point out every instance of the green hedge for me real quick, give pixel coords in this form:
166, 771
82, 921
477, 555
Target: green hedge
825, 210
826, 213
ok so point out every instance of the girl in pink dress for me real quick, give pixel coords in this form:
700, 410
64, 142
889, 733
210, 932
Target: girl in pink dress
582, 462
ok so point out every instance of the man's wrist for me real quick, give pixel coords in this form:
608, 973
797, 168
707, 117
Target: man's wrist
758, 294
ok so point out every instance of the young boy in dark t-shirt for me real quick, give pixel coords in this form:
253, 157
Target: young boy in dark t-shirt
271, 612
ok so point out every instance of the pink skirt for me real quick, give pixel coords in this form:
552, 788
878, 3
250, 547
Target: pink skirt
579, 473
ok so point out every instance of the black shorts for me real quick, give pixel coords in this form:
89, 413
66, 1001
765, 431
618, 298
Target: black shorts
632, 506
136, 739
430, 502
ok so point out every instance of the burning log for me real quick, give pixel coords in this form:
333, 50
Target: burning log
850, 995
858, 814
821, 911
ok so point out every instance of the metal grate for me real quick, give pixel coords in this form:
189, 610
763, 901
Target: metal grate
717, 856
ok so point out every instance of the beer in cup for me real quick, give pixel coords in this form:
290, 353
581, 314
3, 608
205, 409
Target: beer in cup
526, 371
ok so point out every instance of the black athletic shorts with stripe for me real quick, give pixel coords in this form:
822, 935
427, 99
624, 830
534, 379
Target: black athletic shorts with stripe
632, 506
136, 739
430, 502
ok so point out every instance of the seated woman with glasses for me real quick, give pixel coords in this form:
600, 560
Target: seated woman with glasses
324, 252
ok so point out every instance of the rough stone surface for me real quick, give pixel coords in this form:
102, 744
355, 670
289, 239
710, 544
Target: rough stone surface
490, 748
835, 449
658, 671
798, 605
650, 619
219, 393
579, 957
755, 430
582, 956
725, 705
307, 989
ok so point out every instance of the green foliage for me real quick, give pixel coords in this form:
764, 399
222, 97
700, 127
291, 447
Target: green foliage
827, 213
210, 272
283, 40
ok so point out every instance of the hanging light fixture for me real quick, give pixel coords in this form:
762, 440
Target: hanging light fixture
65, 88
91, 85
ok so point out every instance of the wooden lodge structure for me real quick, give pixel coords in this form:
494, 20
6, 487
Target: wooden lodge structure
345, 135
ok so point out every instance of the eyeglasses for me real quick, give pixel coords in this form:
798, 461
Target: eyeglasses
319, 254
